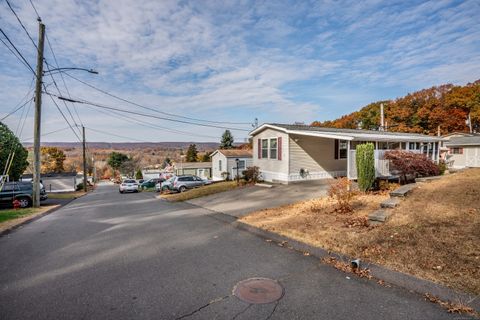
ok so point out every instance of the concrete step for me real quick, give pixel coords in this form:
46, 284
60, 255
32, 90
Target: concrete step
390, 203
380, 215
403, 190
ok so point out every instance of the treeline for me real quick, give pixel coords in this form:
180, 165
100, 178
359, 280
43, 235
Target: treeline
447, 106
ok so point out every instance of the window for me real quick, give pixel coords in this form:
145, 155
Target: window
342, 149
273, 148
456, 150
219, 165
264, 148
241, 164
413, 145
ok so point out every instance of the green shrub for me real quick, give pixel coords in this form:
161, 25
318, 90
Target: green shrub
365, 158
442, 166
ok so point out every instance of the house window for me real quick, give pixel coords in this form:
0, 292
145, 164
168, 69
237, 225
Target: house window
273, 148
456, 150
264, 148
219, 165
241, 164
342, 149
413, 145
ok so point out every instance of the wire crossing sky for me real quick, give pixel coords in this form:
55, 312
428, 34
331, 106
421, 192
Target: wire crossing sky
227, 63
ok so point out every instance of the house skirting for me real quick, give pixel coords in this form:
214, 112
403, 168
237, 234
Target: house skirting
279, 177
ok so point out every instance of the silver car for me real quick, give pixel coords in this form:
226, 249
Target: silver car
182, 183
128, 185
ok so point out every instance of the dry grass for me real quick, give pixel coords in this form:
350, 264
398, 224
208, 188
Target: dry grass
433, 234
11, 217
200, 192
66, 195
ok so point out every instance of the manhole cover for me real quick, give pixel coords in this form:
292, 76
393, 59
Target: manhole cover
258, 290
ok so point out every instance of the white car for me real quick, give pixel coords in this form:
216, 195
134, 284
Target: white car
128, 185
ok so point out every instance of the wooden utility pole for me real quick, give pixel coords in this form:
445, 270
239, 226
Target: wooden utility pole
37, 118
85, 180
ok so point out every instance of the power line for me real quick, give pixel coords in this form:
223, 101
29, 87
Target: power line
14, 111
18, 54
36, 12
145, 114
48, 133
152, 109
65, 118
21, 23
61, 75
151, 125
114, 135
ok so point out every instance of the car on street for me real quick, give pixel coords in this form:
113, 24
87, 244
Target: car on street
182, 183
21, 191
165, 185
151, 183
128, 185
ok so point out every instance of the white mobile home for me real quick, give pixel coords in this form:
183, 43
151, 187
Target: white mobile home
289, 153
463, 151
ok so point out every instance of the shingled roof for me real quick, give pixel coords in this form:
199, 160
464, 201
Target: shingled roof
464, 141
235, 153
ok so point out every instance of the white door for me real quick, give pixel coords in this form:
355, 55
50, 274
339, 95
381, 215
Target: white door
201, 173
472, 157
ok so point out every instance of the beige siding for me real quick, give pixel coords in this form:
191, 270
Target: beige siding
314, 154
216, 172
233, 164
469, 158
272, 169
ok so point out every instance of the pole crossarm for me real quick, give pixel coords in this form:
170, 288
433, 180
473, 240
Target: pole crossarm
56, 70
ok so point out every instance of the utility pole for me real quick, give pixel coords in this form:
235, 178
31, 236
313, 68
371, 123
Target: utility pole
470, 123
85, 180
382, 118
37, 118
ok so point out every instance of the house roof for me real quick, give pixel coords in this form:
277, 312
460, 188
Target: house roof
464, 141
234, 153
345, 134
194, 165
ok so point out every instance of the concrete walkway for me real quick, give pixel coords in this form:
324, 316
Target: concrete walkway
240, 202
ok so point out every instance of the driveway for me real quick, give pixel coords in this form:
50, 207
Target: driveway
129, 256
240, 202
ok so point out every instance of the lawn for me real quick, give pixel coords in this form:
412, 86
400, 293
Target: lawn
201, 192
434, 233
9, 214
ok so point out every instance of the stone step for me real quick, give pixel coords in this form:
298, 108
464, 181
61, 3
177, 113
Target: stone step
380, 215
390, 203
403, 190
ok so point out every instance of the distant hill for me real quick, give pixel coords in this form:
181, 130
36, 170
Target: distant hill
201, 146
423, 111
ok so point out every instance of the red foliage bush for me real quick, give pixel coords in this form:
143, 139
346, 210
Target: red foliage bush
411, 163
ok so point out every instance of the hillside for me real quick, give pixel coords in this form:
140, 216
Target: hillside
201, 146
423, 111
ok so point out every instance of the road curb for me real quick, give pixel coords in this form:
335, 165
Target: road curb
396, 278
43, 214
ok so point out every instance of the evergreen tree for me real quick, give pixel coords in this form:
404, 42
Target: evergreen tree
116, 159
227, 140
206, 157
10, 146
139, 175
192, 153
365, 158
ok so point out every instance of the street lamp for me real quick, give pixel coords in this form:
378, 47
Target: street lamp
56, 70
238, 177
181, 161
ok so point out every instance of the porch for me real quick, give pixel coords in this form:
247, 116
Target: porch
382, 165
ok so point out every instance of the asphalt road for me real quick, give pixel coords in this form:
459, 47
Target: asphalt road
131, 256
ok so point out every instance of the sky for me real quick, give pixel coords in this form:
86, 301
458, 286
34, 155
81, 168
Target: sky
226, 63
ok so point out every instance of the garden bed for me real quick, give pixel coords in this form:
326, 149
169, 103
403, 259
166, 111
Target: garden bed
433, 233
201, 191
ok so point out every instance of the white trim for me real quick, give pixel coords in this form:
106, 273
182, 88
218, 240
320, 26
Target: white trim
321, 135
271, 176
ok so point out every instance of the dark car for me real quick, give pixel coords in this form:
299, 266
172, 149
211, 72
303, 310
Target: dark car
151, 183
21, 191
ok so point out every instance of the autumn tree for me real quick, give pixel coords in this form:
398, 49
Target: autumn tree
227, 140
13, 155
52, 160
192, 153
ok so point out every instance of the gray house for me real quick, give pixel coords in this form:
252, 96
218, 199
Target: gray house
463, 150
290, 153
200, 169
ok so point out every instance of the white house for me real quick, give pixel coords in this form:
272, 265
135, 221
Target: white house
462, 150
289, 153
224, 163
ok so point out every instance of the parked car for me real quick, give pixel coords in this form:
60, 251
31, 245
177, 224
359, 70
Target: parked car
165, 185
128, 185
182, 183
151, 183
141, 181
21, 191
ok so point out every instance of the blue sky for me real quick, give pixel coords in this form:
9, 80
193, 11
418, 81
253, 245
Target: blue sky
233, 61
